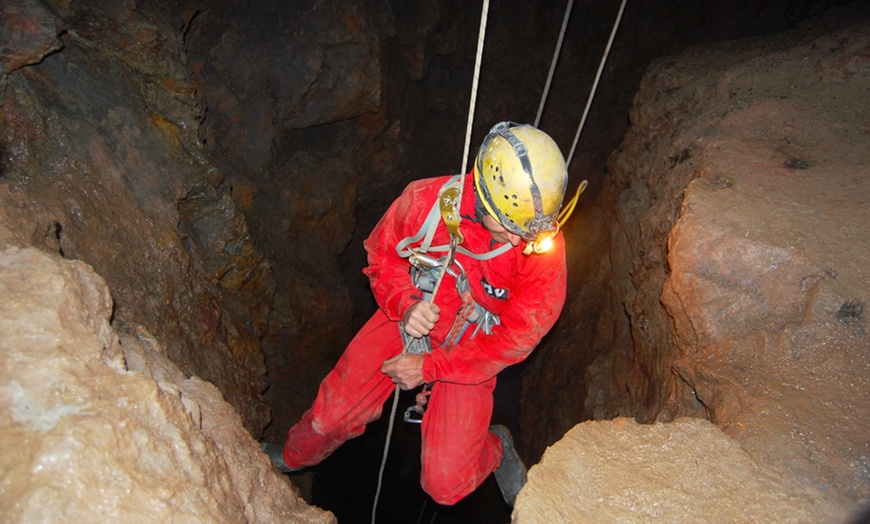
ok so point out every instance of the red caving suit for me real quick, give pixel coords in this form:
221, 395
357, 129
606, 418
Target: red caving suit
526, 292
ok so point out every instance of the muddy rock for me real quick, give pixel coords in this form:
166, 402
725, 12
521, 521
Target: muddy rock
731, 285
30, 32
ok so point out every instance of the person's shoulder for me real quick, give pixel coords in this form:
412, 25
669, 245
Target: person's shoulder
426, 186
427, 183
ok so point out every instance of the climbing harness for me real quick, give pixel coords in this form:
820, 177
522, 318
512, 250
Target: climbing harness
437, 215
425, 273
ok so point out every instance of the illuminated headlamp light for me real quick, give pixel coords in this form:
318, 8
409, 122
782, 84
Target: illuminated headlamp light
542, 243
544, 240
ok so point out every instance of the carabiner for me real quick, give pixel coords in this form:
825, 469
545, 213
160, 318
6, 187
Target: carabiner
409, 414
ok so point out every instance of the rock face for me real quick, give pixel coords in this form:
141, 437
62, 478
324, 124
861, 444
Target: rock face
687, 470
101, 163
268, 72
91, 434
733, 286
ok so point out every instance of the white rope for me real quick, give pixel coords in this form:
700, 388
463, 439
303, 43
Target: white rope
477, 62
554, 61
478, 58
386, 450
595, 83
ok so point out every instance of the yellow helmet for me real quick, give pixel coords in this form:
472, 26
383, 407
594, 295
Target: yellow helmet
520, 177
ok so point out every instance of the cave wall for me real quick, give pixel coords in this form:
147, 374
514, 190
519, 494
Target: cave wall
729, 281
101, 163
294, 94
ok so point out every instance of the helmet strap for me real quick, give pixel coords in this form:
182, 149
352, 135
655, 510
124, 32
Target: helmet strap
479, 210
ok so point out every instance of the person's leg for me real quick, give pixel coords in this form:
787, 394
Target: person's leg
458, 450
350, 396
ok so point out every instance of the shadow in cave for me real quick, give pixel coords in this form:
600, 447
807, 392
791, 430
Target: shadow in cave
346, 482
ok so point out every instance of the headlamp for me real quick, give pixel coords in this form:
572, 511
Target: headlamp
542, 244
544, 241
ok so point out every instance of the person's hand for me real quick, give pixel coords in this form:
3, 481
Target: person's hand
422, 398
420, 319
405, 370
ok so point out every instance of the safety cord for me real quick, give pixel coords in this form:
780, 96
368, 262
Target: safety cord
392, 421
595, 83
553, 62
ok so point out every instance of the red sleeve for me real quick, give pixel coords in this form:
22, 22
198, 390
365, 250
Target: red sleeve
538, 296
387, 271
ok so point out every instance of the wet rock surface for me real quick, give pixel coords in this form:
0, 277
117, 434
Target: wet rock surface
102, 427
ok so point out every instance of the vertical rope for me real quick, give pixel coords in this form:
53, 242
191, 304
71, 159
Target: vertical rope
595, 83
386, 450
553, 62
478, 58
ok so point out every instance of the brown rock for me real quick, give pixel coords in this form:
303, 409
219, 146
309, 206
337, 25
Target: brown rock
683, 471
733, 285
29, 32
101, 163
84, 439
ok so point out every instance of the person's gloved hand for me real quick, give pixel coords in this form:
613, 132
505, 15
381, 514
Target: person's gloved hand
420, 319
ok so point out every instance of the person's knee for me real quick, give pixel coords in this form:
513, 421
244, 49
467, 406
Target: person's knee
446, 489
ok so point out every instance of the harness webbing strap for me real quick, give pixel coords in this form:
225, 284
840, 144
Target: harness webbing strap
427, 229
427, 232
504, 248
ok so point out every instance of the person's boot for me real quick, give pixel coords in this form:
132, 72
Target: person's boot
276, 455
511, 473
